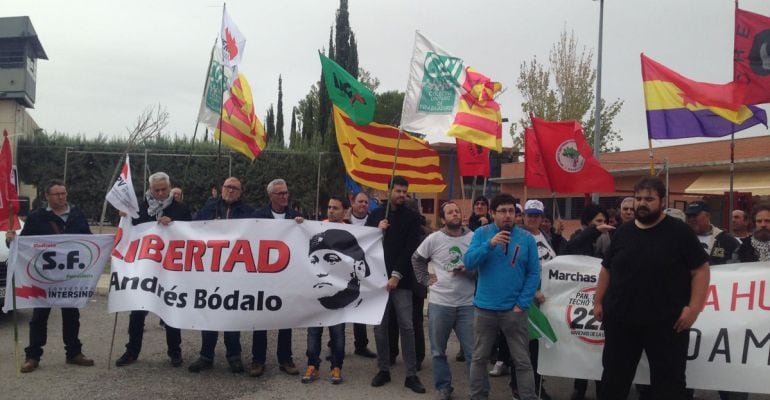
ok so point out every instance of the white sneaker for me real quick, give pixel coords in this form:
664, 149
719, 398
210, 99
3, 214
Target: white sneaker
499, 369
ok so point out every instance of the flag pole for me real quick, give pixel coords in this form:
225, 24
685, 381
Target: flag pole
484, 188
652, 160
112, 342
393, 172
15, 319
197, 122
224, 79
732, 175
473, 188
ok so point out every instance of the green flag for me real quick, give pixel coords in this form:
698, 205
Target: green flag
539, 325
347, 93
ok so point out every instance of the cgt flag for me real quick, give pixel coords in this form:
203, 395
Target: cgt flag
568, 161
347, 93
232, 40
751, 55
472, 159
9, 197
678, 107
122, 195
368, 152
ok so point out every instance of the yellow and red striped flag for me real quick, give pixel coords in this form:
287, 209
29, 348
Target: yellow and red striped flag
478, 119
239, 127
368, 152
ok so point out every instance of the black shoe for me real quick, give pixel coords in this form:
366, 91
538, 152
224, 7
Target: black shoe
200, 365
365, 352
381, 378
236, 366
125, 359
176, 360
413, 382
289, 368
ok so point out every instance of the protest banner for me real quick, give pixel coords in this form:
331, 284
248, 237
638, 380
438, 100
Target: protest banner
729, 343
250, 274
55, 270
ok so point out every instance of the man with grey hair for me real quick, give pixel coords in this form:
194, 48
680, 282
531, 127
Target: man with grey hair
277, 208
627, 209
160, 207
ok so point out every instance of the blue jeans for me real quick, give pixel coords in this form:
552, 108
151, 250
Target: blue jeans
514, 326
441, 321
259, 346
401, 301
209, 343
337, 339
38, 332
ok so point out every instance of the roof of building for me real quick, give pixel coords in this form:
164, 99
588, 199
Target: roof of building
749, 153
21, 27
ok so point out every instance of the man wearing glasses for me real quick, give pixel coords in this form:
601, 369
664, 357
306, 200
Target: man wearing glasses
508, 266
228, 206
58, 218
277, 208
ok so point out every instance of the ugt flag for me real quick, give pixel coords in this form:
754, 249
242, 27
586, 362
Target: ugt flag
122, 195
9, 197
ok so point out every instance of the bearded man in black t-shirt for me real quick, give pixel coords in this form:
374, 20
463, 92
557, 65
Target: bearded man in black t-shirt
652, 286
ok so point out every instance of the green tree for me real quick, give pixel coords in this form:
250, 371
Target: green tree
294, 140
564, 90
371, 82
270, 127
279, 114
345, 48
389, 106
307, 114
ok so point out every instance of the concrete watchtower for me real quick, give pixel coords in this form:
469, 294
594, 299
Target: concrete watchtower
19, 50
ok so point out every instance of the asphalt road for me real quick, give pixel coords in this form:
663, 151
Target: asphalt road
152, 377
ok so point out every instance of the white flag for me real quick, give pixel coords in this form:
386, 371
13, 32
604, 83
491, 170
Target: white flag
122, 195
433, 90
217, 85
232, 40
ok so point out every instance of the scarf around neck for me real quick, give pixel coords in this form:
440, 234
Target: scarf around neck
156, 206
761, 248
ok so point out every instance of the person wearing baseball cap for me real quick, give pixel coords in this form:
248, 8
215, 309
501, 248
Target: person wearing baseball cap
718, 244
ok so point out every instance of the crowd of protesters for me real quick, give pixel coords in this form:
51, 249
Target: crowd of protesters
484, 275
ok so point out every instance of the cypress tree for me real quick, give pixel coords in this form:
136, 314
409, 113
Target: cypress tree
279, 116
293, 137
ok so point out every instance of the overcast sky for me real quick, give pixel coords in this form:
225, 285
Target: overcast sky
109, 60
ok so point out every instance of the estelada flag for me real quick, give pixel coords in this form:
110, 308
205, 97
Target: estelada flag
751, 55
9, 197
678, 107
568, 160
472, 159
535, 174
478, 117
239, 128
368, 152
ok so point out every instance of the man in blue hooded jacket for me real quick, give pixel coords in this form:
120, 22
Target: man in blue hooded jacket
508, 265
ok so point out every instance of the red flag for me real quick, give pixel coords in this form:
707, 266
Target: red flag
534, 168
9, 199
568, 161
751, 55
472, 159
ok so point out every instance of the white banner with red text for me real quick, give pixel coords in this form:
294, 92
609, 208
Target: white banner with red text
55, 270
729, 343
250, 274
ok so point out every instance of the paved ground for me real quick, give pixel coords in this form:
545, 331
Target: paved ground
152, 377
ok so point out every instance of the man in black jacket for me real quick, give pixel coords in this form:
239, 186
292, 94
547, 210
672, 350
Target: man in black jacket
229, 206
58, 218
718, 244
160, 207
278, 208
402, 231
